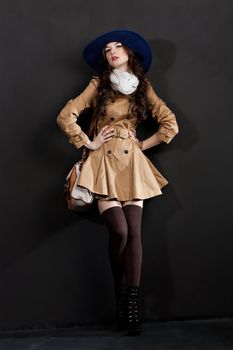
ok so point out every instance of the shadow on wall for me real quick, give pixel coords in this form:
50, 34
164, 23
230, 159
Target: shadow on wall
157, 279
164, 53
43, 213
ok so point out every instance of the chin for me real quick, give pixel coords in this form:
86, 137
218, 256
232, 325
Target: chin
115, 64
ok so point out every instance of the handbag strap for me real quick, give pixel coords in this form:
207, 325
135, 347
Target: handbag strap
84, 155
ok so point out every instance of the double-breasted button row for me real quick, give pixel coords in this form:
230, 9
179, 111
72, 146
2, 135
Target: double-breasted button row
110, 152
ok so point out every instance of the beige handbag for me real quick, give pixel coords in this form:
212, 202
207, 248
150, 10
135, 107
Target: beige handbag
78, 198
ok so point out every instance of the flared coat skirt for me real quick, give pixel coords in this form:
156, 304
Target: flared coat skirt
120, 170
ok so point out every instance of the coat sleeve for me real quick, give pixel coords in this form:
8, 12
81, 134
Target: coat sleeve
168, 127
68, 116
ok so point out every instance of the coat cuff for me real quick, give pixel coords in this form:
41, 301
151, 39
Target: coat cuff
79, 140
166, 135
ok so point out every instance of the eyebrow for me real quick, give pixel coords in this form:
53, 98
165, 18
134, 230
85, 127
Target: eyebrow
115, 42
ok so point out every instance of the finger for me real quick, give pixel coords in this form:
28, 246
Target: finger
104, 128
133, 137
107, 127
132, 133
109, 132
107, 139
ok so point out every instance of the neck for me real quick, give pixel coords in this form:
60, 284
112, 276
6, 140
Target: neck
124, 68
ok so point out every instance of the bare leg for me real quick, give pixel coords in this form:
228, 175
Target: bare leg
103, 205
138, 202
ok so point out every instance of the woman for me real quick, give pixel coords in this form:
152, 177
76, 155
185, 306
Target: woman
116, 169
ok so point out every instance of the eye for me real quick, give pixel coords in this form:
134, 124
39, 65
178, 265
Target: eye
107, 49
119, 45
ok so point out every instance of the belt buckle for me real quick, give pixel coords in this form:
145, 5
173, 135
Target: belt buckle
123, 133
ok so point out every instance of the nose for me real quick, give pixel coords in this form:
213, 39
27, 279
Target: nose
112, 50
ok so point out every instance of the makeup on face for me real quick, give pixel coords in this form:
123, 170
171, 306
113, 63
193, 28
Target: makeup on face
111, 46
116, 55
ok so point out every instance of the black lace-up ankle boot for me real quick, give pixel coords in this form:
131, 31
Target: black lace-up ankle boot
120, 292
132, 311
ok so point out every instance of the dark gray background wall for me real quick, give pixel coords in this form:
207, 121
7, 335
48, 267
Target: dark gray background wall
54, 268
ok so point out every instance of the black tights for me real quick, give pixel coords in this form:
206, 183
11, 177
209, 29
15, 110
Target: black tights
125, 247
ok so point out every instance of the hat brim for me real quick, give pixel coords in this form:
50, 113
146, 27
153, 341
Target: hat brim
93, 52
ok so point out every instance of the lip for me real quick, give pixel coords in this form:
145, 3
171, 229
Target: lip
114, 58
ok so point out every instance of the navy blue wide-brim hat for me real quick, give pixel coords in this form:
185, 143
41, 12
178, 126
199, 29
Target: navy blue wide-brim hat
93, 52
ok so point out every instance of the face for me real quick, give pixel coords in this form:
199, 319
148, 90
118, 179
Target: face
116, 56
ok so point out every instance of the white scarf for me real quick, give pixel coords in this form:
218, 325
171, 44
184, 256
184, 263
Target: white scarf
124, 82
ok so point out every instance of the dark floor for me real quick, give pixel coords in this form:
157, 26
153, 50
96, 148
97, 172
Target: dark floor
188, 335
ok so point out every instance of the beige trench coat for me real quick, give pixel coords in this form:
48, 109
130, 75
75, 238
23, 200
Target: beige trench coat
118, 169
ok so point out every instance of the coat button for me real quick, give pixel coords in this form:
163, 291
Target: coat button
126, 151
109, 152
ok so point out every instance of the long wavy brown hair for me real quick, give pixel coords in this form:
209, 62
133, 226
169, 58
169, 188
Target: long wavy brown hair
139, 104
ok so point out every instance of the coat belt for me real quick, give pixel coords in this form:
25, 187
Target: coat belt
121, 132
